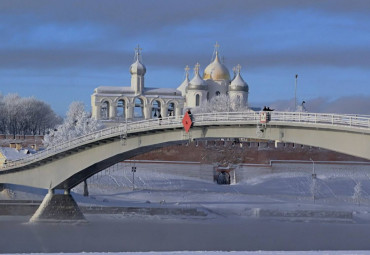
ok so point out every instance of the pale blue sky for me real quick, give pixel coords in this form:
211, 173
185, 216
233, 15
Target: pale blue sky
59, 51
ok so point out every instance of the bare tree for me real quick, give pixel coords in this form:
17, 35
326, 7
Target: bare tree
2, 115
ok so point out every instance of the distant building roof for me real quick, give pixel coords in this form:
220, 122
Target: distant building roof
14, 154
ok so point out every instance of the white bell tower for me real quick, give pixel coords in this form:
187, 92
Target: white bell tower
137, 71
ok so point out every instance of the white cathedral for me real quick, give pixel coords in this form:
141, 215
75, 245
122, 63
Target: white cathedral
118, 104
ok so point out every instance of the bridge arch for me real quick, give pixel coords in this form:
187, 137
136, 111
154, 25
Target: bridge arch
66, 167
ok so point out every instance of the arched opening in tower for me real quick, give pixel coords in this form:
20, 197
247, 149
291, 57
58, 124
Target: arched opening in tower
156, 109
104, 110
171, 109
139, 108
121, 106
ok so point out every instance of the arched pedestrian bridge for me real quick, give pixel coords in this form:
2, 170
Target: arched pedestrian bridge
68, 164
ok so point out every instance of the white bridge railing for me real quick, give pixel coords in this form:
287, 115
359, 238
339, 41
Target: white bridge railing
319, 119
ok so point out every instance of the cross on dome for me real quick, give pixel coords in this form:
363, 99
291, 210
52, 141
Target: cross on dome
238, 68
187, 71
138, 49
196, 68
217, 46
137, 52
215, 51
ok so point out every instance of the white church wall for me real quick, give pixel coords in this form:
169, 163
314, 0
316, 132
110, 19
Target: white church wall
217, 86
243, 99
191, 98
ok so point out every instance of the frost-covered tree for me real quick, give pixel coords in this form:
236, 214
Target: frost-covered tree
221, 103
2, 115
77, 123
357, 193
25, 116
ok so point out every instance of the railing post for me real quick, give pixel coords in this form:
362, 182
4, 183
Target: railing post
332, 119
315, 117
350, 121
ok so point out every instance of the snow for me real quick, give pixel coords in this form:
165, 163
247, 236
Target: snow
269, 208
221, 103
284, 186
272, 190
164, 91
113, 90
77, 123
218, 253
109, 90
13, 154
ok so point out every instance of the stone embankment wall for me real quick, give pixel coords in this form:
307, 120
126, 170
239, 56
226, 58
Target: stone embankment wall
252, 152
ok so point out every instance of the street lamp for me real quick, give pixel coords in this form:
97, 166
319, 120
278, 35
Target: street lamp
133, 170
295, 92
313, 169
313, 184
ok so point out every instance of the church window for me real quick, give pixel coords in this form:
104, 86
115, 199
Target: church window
120, 109
218, 93
197, 100
104, 110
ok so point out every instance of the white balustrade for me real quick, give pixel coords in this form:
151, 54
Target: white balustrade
354, 121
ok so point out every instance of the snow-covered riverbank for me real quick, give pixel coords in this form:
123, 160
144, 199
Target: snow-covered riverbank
268, 210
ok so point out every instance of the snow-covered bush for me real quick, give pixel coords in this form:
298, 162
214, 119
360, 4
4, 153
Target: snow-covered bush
221, 103
77, 123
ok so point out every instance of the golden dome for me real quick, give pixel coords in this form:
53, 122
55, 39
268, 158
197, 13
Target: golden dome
216, 70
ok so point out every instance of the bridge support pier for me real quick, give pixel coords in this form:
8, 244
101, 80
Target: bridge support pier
58, 208
86, 190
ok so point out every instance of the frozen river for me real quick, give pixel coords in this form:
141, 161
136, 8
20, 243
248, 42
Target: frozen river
114, 234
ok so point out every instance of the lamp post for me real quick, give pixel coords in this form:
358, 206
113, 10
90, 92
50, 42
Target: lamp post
313, 184
133, 170
313, 169
295, 92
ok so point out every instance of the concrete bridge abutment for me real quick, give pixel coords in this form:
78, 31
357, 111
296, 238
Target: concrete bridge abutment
58, 208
